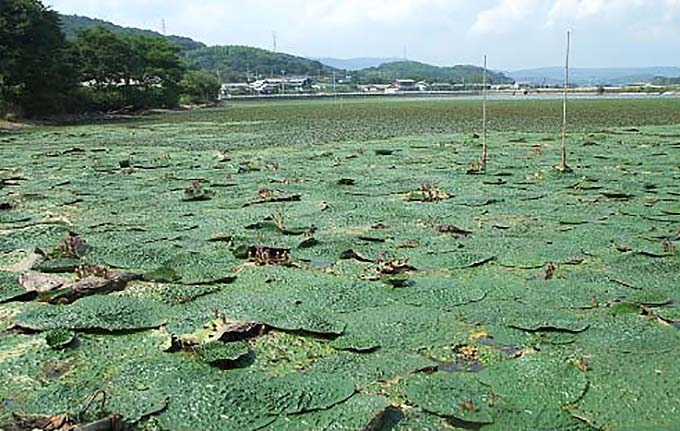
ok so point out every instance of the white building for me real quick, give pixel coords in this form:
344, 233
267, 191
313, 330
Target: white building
405, 85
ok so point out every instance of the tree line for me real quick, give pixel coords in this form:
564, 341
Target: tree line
42, 73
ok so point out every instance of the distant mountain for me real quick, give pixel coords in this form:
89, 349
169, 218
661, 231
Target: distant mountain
236, 63
232, 63
72, 24
356, 63
594, 76
662, 80
420, 71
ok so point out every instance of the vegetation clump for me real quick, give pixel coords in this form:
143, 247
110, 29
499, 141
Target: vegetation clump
59, 338
196, 193
262, 255
428, 193
71, 246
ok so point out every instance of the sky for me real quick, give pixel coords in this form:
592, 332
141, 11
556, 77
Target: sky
515, 34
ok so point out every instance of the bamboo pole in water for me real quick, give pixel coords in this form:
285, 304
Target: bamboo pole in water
563, 162
485, 148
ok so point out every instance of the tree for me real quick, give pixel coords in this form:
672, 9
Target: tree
36, 76
156, 69
105, 58
200, 87
128, 71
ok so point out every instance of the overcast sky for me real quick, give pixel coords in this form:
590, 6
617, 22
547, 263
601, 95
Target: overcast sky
516, 34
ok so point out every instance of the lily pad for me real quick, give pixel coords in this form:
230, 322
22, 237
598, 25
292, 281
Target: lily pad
627, 394
107, 313
218, 351
533, 390
9, 287
456, 395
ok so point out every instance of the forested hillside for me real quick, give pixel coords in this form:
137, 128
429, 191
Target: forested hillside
236, 63
72, 24
419, 71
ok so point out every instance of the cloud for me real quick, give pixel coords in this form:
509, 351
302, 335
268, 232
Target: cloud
515, 33
673, 7
572, 11
504, 16
353, 12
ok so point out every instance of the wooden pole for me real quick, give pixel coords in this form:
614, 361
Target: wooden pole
485, 149
563, 162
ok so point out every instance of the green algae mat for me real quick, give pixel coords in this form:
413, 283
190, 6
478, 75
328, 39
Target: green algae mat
335, 265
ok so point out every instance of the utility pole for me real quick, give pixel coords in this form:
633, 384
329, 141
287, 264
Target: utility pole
563, 162
485, 149
163, 26
274, 41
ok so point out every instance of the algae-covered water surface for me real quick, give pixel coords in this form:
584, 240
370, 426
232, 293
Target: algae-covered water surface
333, 265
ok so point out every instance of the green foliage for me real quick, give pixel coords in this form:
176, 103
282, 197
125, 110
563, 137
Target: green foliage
36, 77
133, 72
532, 391
593, 342
642, 400
388, 72
40, 70
251, 400
71, 25
200, 87
354, 414
59, 338
217, 351
10, 287
234, 62
96, 312
458, 395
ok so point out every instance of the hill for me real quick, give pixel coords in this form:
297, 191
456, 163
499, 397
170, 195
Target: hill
232, 63
72, 24
426, 72
356, 63
594, 76
236, 63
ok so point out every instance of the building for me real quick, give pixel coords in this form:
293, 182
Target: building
374, 88
405, 85
300, 84
234, 89
422, 86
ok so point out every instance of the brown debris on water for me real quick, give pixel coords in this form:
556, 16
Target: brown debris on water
262, 255
268, 196
72, 246
40, 423
221, 328
37, 282
549, 271
90, 280
353, 255
667, 246
395, 267
451, 229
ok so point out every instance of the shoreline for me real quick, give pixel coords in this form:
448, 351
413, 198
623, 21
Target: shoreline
464, 95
